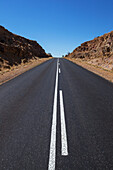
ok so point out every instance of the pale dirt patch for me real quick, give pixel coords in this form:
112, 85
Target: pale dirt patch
14, 71
99, 70
102, 62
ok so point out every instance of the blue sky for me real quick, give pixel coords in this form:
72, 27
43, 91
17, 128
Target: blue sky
57, 25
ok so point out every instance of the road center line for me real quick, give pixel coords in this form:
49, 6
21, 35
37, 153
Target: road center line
59, 70
64, 147
52, 154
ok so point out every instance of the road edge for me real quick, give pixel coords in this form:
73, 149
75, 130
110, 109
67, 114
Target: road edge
25, 68
107, 75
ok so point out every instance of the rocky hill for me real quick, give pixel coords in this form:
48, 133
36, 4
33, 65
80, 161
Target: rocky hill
98, 51
15, 49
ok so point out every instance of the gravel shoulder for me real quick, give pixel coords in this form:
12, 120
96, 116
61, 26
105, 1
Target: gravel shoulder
8, 74
107, 74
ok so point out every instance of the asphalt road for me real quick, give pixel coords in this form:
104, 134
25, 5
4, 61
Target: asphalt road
56, 116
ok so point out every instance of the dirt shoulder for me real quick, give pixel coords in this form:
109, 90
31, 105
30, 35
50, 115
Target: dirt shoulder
107, 74
8, 74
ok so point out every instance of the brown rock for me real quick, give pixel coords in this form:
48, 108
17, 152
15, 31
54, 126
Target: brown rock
98, 51
98, 47
14, 49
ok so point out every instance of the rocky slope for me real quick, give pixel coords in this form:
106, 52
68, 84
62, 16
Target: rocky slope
98, 51
15, 49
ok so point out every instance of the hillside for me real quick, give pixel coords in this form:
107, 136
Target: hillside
98, 51
15, 49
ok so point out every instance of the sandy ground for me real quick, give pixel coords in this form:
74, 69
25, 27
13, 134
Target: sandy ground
8, 74
107, 74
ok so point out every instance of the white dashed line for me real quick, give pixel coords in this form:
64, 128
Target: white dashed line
59, 70
64, 147
52, 154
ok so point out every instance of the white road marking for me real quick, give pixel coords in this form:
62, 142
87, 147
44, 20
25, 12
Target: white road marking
59, 70
64, 147
52, 154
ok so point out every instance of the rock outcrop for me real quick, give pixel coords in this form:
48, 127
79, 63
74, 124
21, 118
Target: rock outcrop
15, 49
99, 47
98, 51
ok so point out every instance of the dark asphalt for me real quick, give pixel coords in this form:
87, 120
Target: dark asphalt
26, 104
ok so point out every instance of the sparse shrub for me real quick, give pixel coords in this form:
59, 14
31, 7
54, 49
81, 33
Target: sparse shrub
1, 60
7, 67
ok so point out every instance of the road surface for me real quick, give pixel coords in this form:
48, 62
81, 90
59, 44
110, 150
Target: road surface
56, 116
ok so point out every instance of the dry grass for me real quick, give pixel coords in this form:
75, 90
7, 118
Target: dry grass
108, 75
8, 74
